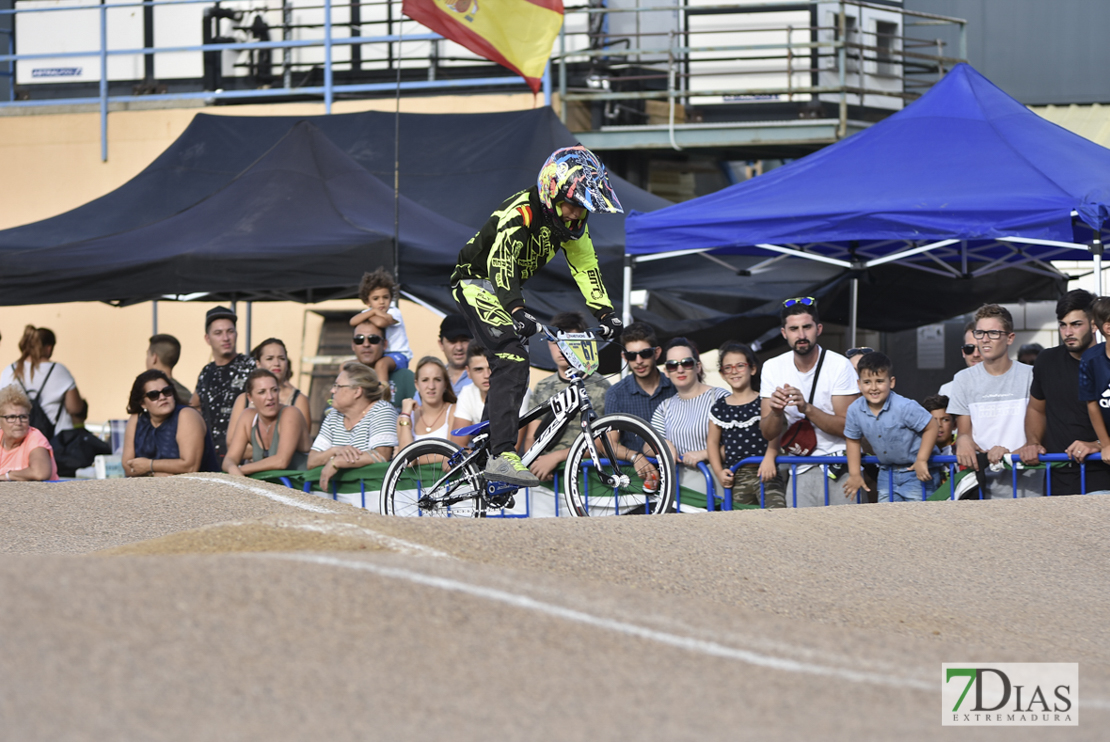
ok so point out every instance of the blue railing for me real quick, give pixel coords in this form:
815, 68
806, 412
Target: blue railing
949, 462
327, 91
726, 497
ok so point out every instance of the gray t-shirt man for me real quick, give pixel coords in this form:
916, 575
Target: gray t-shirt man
996, 406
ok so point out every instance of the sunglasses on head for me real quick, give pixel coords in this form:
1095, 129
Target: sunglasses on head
632, 355
806, 301
166, 391
364, 339
853, 352
685, 363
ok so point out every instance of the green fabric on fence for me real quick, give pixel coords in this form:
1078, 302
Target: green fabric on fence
374, 475
347, 480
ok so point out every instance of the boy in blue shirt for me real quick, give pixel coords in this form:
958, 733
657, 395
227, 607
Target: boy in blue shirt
901, 432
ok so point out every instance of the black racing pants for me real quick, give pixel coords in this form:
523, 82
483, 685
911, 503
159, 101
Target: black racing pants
493, 329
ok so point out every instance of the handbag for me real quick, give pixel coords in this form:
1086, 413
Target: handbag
800, 439
76, 449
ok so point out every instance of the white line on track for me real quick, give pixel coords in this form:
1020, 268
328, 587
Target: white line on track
290, 501
390, 542
349, 529
699, 646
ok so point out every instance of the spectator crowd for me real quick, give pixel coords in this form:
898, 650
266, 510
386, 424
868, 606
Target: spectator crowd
997, 416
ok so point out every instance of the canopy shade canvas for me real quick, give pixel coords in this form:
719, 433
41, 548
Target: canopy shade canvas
965, 180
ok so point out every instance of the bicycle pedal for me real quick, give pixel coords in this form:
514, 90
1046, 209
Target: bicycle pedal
500, 494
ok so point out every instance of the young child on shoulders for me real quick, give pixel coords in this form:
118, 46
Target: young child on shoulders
901, 431
376, 291
734, 434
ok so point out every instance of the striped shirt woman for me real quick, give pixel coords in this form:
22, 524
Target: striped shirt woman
685, 422
361, 427
378, 427
684, 418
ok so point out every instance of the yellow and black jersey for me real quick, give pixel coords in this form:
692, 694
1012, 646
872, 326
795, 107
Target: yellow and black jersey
516, 243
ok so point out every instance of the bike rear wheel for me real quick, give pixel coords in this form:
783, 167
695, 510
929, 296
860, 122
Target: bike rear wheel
629, 493
420, 482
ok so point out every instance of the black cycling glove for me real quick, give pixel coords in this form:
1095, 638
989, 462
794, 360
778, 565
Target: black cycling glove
611, 326
525, 325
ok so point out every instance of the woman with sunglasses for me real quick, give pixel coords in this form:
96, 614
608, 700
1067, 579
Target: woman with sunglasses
277, 433
164, 437
684, 418
25, 454
271, 355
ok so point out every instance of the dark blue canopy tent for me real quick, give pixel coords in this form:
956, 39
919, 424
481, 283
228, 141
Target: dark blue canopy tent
964, 182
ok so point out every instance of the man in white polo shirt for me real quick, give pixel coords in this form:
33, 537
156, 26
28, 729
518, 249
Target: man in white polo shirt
807, 386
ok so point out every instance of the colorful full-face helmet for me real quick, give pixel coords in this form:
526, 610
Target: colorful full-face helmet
575, 174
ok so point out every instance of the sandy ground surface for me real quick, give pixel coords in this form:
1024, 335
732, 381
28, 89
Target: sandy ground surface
212, 608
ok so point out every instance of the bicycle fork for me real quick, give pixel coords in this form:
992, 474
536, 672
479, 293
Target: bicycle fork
618, 478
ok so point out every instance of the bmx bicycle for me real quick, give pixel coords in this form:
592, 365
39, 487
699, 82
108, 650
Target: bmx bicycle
602, 476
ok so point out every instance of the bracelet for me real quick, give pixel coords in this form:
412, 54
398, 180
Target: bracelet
406, 415
152, 467
404, 421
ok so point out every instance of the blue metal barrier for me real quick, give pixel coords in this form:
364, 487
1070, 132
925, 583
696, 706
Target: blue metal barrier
710, 489
948, 461
793, 461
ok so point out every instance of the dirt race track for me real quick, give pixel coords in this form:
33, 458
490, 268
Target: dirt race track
207, 608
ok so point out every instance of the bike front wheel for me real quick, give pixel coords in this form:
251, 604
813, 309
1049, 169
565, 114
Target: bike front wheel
608, 487
421, 481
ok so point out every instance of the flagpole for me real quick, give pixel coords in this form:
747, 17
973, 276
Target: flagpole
397, 156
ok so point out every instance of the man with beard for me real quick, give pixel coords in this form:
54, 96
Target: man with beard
808, 386
1056, 420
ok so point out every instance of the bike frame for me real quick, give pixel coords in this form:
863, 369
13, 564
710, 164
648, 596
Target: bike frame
573, 400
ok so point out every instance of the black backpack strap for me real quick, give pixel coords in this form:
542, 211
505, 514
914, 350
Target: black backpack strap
820, 362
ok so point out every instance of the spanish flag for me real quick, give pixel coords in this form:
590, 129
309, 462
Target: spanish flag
515, 33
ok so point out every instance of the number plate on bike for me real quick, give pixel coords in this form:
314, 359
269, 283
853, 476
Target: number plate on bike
564, 402
580, 350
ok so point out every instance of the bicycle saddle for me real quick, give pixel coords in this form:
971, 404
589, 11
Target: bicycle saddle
474, 429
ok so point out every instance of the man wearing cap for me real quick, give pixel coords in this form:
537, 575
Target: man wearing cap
369, 345
454, 337
222, 380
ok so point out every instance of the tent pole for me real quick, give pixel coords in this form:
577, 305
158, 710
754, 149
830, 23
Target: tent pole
626, 297
852, 313
154, 317
250, 307
397, 161
1098, 274
328, 94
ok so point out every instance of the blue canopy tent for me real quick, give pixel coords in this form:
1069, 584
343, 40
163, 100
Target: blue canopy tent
963, 182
